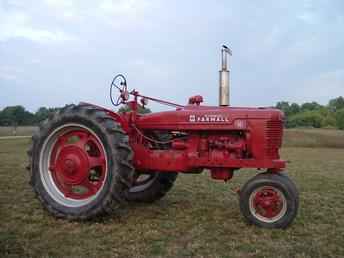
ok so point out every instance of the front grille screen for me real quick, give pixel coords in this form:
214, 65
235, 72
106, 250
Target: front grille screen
273, 136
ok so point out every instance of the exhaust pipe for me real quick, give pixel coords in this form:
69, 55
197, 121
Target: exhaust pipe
224, 77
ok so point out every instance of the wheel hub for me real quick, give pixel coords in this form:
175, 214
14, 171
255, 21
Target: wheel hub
69, 166
78, 164
268, 203
72, 165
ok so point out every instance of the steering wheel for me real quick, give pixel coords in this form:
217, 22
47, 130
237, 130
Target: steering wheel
120, 83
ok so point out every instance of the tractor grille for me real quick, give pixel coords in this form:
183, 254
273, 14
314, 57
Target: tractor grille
273, 136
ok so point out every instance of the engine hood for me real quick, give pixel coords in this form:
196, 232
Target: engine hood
207, 117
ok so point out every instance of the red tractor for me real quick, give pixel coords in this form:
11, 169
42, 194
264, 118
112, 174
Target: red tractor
86, 160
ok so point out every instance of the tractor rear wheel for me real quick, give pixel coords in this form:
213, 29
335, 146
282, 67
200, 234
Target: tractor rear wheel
269, 200
80, 163
150, 187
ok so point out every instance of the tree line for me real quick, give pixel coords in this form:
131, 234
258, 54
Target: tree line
19, 116
309, 114
312, 114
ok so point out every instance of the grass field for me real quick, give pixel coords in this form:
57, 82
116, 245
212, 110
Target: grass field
198, 218
330, 138
20, 130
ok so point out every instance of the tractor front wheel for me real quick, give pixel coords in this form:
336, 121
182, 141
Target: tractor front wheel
269, 200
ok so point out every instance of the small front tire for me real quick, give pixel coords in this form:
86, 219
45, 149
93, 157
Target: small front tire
269, 200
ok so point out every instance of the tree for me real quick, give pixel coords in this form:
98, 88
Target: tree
15, 115
18, 116
283, 106
340, 119
329, 121
306, 119
294, 109
328, 117
141, 109
310, 106
336, 104
43, 113
288, 109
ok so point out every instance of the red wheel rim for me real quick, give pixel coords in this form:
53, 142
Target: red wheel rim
78, 164
268, 204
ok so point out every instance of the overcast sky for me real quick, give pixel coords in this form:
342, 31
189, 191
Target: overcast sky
54, 52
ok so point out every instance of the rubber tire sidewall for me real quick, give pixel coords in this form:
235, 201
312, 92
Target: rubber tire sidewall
155, 191
91, 208
275, 180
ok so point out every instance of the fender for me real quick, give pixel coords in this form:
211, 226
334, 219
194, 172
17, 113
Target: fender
118, 118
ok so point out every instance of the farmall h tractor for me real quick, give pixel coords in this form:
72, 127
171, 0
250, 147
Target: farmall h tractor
87, 161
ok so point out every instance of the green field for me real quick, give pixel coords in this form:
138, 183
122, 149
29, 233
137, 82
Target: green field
19, 131
314, 138
198, 218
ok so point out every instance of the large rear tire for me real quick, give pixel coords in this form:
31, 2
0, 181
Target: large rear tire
80, 163
269, 200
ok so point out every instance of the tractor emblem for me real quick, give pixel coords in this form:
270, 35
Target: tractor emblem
208, 118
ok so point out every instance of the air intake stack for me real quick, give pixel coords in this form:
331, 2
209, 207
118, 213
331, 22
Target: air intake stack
224, 77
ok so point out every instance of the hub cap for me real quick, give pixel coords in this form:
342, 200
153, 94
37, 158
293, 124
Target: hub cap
267, 204
73, 165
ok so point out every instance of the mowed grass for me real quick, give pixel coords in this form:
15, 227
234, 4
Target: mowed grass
198, 218
330, 138
20, 131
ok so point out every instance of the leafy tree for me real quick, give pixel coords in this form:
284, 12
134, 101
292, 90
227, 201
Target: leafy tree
294, 109
288, 109
18, 116
336, 104
15, 115
141, 109
306, 119
340, 118
329, 121
328, 117
43, 113
310, 106
284, 106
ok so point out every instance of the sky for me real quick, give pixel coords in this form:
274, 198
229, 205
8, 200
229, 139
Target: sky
56, 52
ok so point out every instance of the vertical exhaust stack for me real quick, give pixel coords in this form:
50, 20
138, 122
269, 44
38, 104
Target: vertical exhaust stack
224, 77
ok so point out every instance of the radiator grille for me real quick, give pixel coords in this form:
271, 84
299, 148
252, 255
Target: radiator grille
273, 136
